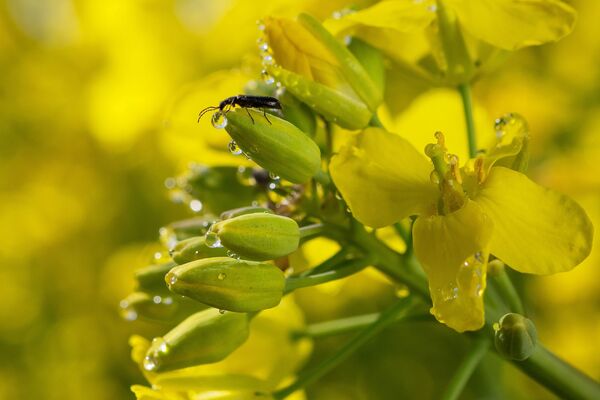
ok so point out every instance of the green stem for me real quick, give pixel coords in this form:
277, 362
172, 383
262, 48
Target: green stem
311, 231
350, 324
467, 100
558, 376
323, 178
332, 262
350, 268
305, 378
466, 369
508, 291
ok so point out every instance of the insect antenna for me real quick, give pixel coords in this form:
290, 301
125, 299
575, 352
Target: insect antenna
207, 109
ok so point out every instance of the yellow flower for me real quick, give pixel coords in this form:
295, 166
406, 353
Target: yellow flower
464, 214
450, 41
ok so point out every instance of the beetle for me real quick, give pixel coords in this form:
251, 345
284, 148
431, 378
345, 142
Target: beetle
246, 102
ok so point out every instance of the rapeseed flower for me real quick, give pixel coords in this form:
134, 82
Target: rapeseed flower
463, 214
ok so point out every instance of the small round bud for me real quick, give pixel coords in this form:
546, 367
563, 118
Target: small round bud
515, 337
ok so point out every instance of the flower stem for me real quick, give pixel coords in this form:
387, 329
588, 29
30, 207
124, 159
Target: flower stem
350, 324
508, 291
466, 369
311, 231
351, 267
558, 376
467, 100
399, 308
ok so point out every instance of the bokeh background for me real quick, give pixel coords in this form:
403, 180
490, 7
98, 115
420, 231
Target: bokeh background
90, 128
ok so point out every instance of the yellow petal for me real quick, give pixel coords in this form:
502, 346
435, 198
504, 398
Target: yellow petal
512, 24
296, 49
453, 250
382, 178
538, 230
403, 16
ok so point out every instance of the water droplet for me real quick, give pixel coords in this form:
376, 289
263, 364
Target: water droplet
167, 300
234, 148
434, 177
219, 120
231, 254
222, 276
221, 312
268, 59
263, 46
432, 8
129, 314
196, 205
260, 25
452, 159
170, 183
266, 77
274, 176
212, 240
150, 363
172, 279
157, 299
272, 186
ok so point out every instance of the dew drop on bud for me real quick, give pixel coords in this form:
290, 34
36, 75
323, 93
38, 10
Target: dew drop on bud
221, 312
222, 276
234, 148
219, 120
212, 240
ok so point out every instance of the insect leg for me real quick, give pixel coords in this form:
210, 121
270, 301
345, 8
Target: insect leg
250, 115
267, 118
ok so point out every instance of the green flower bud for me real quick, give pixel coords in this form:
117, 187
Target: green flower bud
236, 212
205, 337
257, 237
195, 248
229, 284
183, 229
350, 67
278, 146
152, 278
515, 337
293, 110
153, 307
333, 105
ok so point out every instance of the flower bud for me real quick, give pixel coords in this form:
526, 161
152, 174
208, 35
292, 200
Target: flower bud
153, 307
236, 212
333, 105
194, 249
229, 284
205, 337
277, 146
515, 337
258, 237
349, 66
152, 278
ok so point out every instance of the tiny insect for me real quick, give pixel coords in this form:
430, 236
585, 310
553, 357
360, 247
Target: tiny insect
241, 100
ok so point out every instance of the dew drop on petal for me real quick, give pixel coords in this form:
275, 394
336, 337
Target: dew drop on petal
212, 240
150, 363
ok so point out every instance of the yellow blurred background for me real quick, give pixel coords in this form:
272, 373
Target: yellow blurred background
90, 128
